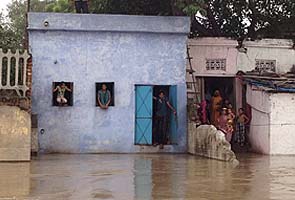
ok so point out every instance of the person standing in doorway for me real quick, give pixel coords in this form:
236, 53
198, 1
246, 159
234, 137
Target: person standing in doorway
162, 104
104, 97
81, 6
216, 103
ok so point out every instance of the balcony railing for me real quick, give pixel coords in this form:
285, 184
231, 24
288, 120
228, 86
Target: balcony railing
13, 71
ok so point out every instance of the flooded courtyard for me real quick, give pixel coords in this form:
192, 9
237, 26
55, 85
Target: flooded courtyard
149, 176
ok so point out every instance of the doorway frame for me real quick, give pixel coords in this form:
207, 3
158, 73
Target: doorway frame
169, 127
235, 82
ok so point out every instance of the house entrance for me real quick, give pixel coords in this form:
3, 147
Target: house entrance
207, 87
224, 85
148, 129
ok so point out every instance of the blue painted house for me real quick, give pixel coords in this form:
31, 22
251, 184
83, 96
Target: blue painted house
135, 56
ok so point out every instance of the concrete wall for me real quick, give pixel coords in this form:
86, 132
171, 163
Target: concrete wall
282, 123
15, 134
213, 48
207, 141
268, 49
259, 135
85, 49
272, 125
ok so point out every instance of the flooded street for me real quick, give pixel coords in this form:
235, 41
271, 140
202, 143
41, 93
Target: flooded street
109, 176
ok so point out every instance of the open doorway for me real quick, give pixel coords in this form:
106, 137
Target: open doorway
225, 86
156, 121
147, 120
207, 87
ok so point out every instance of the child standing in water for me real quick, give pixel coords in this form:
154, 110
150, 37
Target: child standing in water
225, 124
229, 130
230, 123
242, 120
230, 114
222, 120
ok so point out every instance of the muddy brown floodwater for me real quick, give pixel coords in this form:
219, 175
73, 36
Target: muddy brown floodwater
83, 177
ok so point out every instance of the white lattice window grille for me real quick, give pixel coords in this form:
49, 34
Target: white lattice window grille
13, 71
216, 64
265, 65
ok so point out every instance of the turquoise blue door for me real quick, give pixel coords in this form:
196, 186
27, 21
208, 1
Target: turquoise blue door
173, 119
143, 114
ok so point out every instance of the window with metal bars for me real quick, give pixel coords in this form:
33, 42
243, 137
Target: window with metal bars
216, 64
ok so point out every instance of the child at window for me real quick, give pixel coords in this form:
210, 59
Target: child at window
104, 97
61, 89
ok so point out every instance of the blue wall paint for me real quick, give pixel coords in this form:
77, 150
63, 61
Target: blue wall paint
85, 57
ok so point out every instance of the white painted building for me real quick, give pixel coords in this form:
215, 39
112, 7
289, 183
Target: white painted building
272, 126
216, 61
260, 52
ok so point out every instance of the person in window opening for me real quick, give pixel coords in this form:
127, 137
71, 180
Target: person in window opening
104, 97
61, 90
81, 6
161, 116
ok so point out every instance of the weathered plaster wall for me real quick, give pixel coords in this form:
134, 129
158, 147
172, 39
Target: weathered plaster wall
213, 48
34, 135
216, 48
127, 50
15, 134
259, 135
272, 125
282, 127
238, 93
268, 49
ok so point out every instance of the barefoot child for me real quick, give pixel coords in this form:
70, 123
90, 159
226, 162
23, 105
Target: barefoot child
242, 120
230, 114
229, 130
61, 89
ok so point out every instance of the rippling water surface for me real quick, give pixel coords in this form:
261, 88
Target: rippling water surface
164, 176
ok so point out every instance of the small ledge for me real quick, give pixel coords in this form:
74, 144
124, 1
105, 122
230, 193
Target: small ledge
108, 23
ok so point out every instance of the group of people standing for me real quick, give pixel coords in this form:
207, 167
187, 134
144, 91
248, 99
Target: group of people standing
224, 118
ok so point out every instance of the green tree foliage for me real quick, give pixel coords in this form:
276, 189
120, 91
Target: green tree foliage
134, 7
13, 26
229, 18
59, 6
246, 18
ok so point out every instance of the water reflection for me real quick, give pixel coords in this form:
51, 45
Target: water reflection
14, 179
148, 177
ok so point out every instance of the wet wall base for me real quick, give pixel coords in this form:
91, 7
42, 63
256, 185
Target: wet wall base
15, 134
207, 141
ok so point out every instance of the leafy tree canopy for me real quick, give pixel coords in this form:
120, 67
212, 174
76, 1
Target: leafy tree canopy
228, 18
